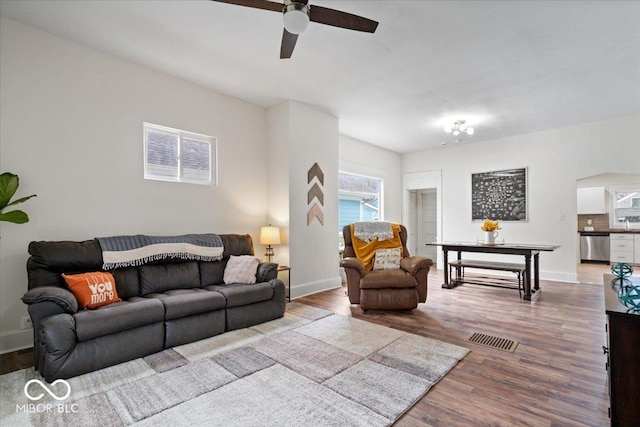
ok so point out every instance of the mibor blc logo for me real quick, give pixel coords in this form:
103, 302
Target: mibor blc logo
36, 393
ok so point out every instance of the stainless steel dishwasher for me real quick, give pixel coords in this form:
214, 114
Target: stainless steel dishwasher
594, 247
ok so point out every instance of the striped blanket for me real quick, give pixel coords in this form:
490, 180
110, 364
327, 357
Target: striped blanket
127, 251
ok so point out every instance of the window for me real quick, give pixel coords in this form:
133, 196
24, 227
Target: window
627, 207
176, 155
359, 199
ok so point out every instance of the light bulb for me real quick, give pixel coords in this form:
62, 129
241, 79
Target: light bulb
456, 132
296, 18
470, 131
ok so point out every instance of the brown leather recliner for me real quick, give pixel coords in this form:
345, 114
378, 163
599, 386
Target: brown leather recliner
400, 289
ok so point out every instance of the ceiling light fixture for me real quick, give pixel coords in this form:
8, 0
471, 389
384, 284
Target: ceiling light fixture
296, 17
459, 127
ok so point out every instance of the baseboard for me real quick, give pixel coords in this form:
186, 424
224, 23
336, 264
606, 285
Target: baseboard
15, 340
559, 277
304, 289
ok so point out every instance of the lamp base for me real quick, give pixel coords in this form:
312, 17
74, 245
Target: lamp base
269, 254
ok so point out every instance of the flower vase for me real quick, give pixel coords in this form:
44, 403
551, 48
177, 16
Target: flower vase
490, 237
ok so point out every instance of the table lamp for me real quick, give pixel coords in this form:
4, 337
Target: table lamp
269, 236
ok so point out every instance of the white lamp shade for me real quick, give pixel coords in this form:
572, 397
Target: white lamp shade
270, 235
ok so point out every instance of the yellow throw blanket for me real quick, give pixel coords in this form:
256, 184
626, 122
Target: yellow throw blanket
366, 251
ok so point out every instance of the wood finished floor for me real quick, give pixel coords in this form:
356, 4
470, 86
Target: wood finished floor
555, 377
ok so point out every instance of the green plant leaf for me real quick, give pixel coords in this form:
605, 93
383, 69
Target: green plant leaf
21, 200
8, 186
17, 217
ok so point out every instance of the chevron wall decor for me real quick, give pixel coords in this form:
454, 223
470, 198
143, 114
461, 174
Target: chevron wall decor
315, 176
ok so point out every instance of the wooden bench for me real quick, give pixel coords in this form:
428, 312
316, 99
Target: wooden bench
461, 264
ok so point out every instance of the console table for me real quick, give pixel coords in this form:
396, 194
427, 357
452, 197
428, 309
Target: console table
525, 250
623, 354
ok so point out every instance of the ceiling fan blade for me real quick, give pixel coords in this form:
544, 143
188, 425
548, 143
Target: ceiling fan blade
288, 43
256, 4
336, 18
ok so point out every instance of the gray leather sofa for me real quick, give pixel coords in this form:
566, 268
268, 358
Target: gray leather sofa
164, 304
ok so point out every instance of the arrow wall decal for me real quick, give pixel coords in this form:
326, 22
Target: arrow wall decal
317, 193
315, 213
315, 171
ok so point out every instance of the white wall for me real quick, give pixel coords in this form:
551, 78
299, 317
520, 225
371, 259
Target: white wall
366, 159
298, 137
314, 247
555, 159
278, 158
71, 128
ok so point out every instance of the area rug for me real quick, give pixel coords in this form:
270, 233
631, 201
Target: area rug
311, 367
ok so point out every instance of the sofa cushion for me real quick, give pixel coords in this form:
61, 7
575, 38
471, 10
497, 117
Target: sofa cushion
236, 244
117, 317
187, 302
381, 279
163, 277
92, 290
241, 269
238, 294
127, 282
212, 273
49, 259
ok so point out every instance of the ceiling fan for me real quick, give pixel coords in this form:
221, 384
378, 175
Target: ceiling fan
297, 14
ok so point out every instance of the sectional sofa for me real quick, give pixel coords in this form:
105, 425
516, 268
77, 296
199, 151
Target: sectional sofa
163, 303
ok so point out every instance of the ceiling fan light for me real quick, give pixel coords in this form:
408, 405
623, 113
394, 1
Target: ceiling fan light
470, 131
296, 18
456, 132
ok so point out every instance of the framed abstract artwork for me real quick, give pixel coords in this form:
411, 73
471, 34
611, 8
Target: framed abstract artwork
499, 195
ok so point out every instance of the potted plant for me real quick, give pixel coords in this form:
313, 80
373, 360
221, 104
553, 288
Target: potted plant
8, 186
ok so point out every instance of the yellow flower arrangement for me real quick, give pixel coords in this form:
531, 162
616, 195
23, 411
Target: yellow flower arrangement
489, 225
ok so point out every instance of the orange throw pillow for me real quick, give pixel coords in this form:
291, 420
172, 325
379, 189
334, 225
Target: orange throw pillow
92, 290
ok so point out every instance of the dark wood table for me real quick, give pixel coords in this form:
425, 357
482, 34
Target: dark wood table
526, 250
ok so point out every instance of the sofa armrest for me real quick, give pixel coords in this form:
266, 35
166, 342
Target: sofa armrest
354, 263
419, 268
279, 295
354, 269
58, 334
412, 264
61, 297
266, 271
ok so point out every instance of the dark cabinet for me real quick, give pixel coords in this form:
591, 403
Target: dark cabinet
623, 357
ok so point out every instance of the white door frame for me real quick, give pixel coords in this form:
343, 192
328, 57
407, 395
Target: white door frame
419, 181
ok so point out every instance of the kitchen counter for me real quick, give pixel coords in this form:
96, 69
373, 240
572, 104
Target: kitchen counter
612, 230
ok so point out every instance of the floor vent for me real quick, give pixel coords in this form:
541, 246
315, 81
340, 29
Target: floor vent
493, 341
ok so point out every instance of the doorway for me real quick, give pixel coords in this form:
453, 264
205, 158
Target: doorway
423, 222
422, 212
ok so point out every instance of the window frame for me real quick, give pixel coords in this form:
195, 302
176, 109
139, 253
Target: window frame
381, 179
181, 135
632, 193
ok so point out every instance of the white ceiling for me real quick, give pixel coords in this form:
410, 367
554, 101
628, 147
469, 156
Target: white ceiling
507, 67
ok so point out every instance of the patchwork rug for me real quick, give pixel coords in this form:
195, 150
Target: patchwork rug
311, 367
